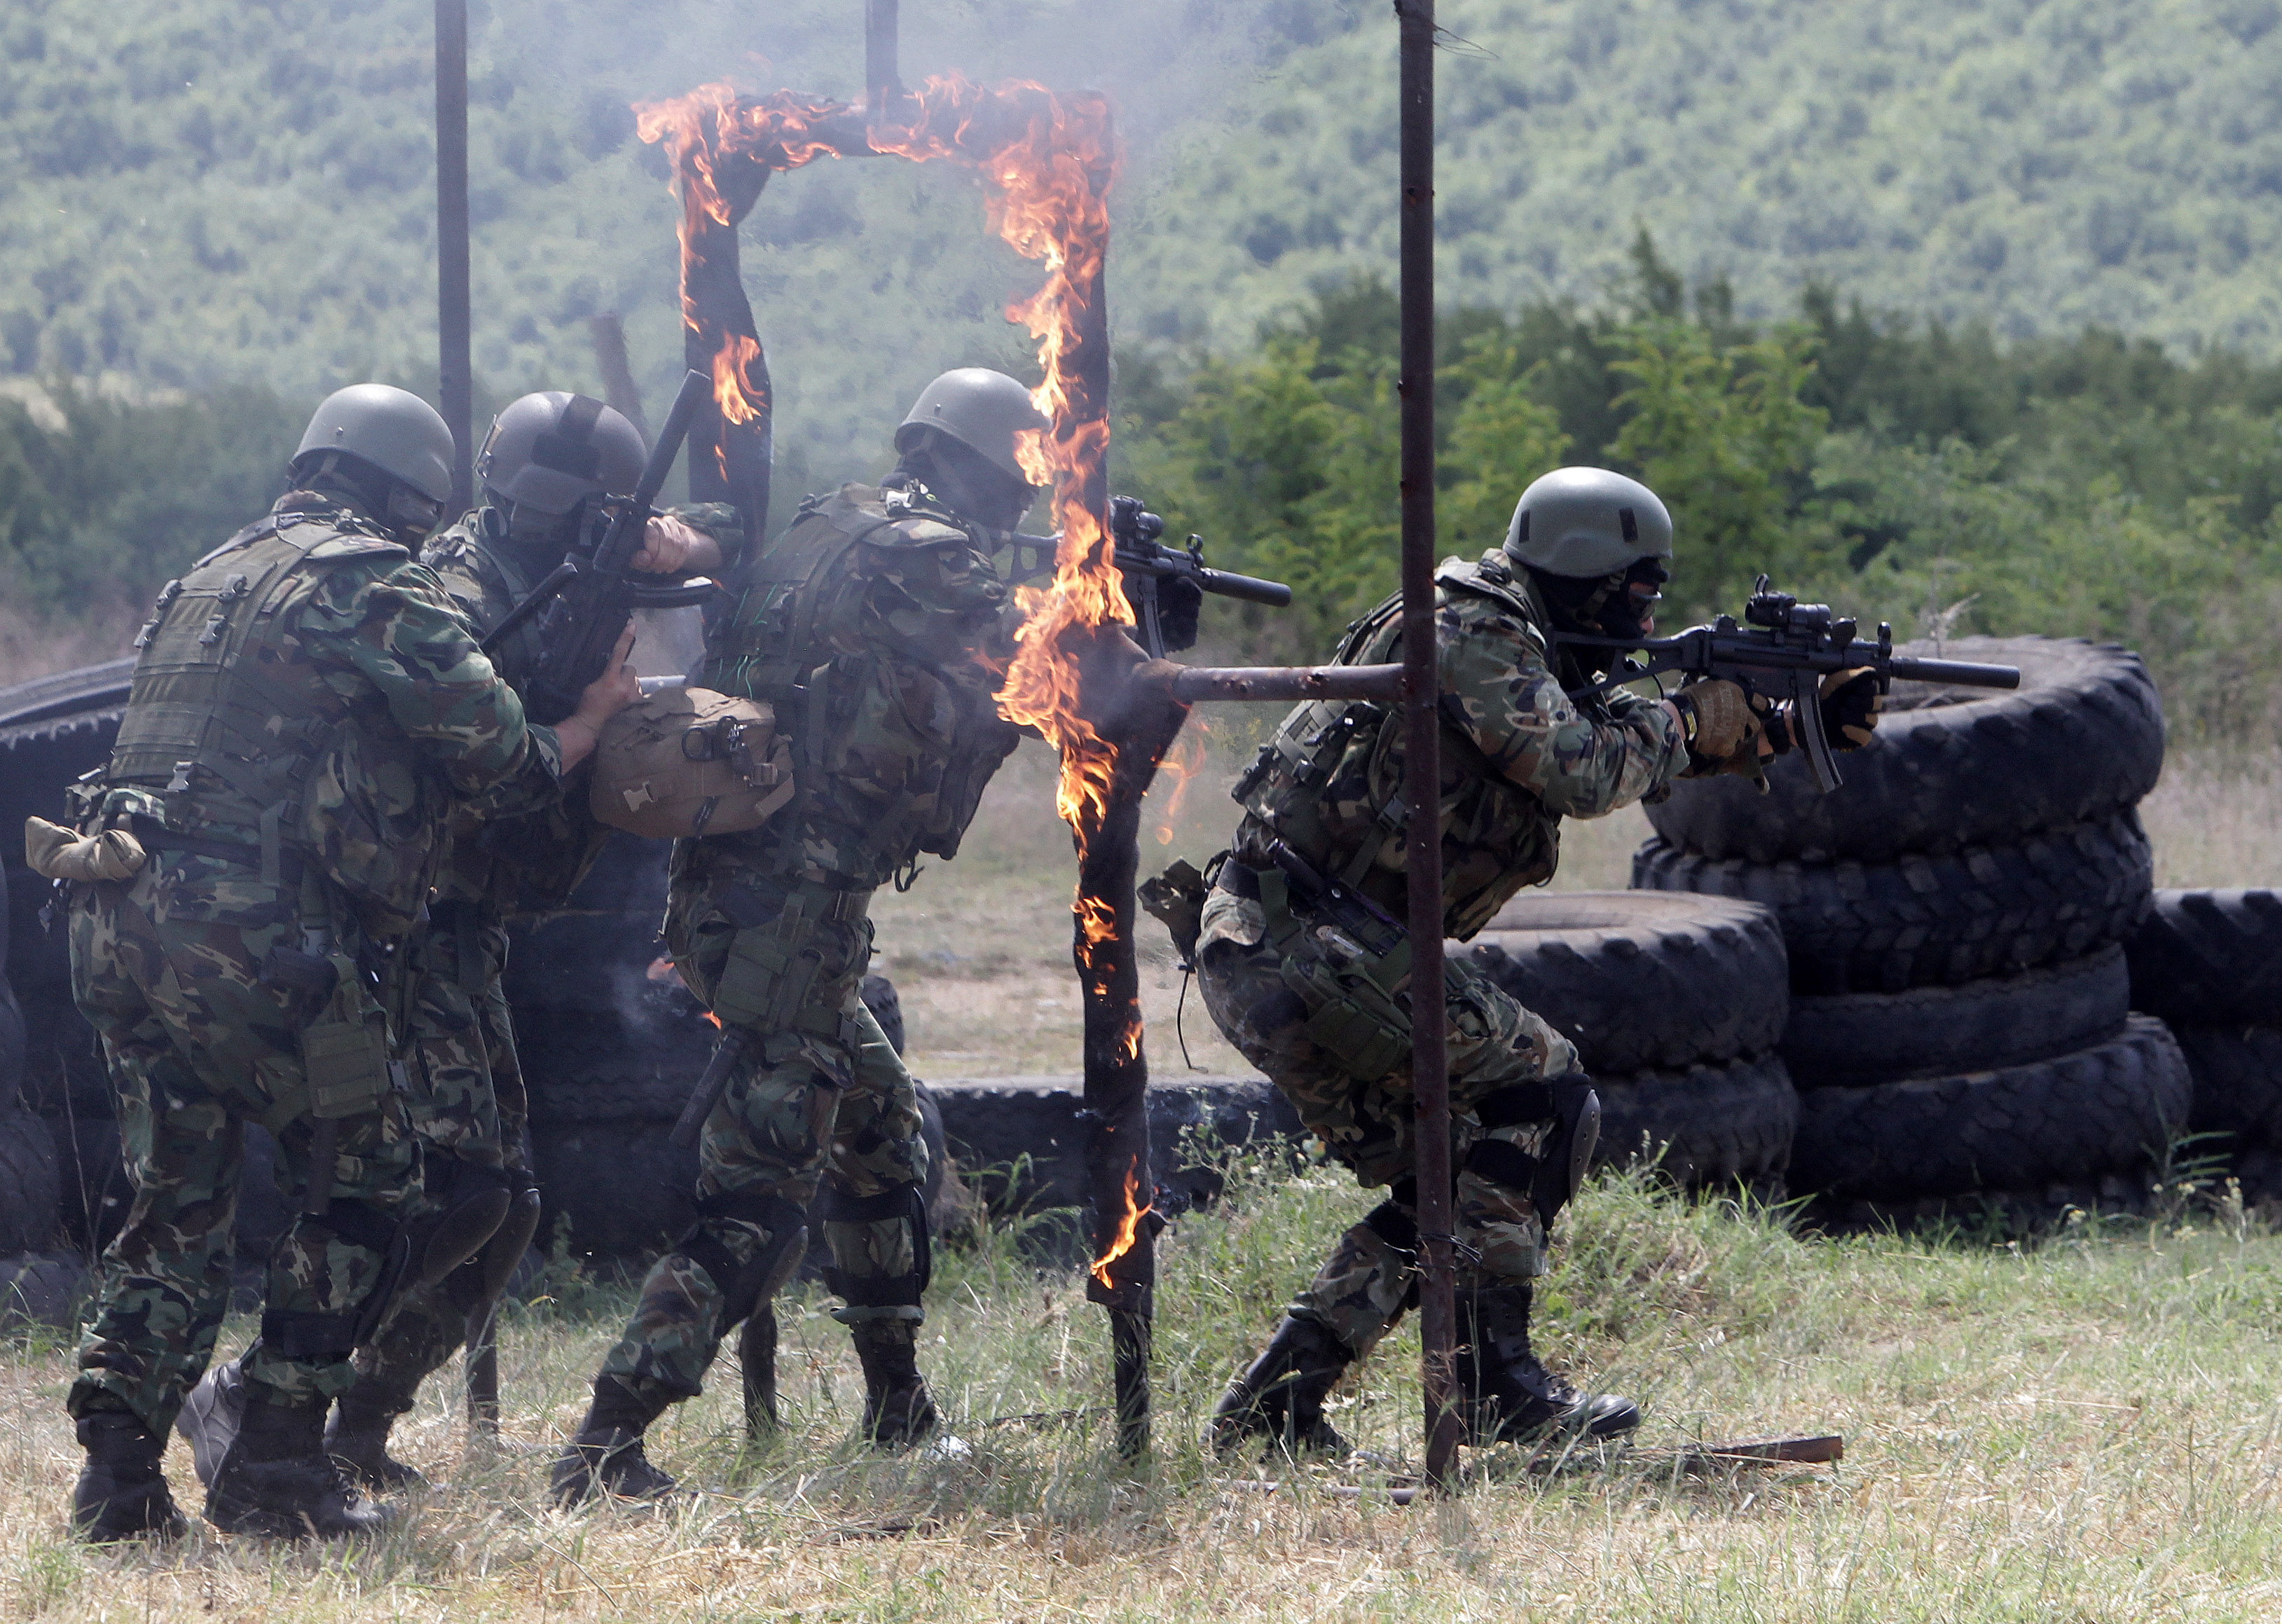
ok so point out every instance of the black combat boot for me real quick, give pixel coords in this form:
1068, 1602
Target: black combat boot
1280, 1399
606, 1457
276, 1479
122, 1493
1504, 1393
357, 1437
898, 1409
210, 1417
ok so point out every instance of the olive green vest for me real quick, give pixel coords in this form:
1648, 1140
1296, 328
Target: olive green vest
1328, 783
232, 735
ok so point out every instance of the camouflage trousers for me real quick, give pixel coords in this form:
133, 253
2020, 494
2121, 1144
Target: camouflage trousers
468, 1104
819, 1099
168, 970
1266, 975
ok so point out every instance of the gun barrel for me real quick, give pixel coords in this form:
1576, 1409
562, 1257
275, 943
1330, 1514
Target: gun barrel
1250, 589
1962, 673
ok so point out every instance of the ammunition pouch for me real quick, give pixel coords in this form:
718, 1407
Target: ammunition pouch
745, 1287
774, 963
865, 1295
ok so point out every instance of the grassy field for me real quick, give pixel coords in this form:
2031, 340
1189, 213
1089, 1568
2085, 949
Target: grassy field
2083, 1431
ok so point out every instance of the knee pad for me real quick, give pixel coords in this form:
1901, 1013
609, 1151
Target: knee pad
900, 1291
745, 1287
470, 1200
513, 1237
1552, 1177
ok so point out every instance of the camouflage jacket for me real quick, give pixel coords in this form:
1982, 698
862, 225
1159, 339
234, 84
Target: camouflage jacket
529, 863
880, 639
308, 685
1518, 755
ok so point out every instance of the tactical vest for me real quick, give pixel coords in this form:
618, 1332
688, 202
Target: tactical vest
891, 752
1329, 784
232, 738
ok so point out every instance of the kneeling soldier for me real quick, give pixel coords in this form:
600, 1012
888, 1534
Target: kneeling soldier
1303, 959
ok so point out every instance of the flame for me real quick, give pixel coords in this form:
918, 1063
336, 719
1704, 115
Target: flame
1046, 161
1180, 766
740, 398
1128, 1229
714, 1020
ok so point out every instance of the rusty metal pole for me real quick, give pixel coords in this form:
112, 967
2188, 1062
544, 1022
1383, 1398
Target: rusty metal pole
1423, 742
456, 384
880, 85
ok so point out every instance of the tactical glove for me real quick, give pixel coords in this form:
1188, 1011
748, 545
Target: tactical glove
1721, 722
1850, 703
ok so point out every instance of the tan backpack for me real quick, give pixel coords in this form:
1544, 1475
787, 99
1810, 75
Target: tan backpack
687, 761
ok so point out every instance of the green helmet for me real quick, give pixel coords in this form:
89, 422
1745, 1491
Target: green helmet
552, 450
393, 429
981, 409
1587, 522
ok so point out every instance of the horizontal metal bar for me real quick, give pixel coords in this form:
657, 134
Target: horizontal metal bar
1192, 683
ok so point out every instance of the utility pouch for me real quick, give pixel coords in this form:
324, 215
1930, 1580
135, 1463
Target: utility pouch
300, 972
1177, 898
345, 1052
1348, 1016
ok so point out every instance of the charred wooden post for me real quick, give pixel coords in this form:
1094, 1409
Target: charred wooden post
454, 371
732, 442
1422, 742
882, 87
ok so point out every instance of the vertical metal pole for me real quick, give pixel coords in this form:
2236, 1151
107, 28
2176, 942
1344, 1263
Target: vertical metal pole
1423, 742
454, 372
880, 85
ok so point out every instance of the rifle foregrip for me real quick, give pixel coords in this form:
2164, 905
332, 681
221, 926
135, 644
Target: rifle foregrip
1960, 673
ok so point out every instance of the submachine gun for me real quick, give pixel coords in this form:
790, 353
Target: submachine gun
1784, 651
586, 602
1146, 562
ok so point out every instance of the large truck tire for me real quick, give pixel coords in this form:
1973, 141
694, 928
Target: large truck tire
1641, 979
2237, 1075
31, 1184
1935, 921
1856, 1039
2209, 958
1700, 1125
2081, 739
2108, 1108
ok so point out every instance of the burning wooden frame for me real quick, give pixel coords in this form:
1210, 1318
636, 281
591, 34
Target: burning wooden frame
1047, 161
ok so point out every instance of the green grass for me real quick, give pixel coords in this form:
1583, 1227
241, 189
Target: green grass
2081, 1429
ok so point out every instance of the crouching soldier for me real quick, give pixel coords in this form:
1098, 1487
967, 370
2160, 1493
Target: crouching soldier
308, 711
874, 626
549, 459
1303, 959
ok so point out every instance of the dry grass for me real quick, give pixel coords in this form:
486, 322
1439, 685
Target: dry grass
2083, 1432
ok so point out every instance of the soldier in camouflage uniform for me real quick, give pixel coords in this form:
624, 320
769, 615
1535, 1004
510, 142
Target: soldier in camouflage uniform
1303, 961
875, 625
547, 456
307, 709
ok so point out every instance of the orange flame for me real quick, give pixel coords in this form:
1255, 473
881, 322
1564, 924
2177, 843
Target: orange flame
1046, 161
1128, 1229
711, 1017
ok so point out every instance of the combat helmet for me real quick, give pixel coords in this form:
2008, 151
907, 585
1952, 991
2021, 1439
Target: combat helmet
550, 451
981, 409
391, 429
1585, 523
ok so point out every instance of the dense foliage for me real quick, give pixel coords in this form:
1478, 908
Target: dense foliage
1938, 477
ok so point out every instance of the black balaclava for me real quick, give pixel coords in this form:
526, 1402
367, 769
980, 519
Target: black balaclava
969, 484
379, 496
1604, 606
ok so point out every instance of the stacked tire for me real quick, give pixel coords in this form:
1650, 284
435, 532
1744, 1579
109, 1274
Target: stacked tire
2209, 962
1962, 1015
1677, 1007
